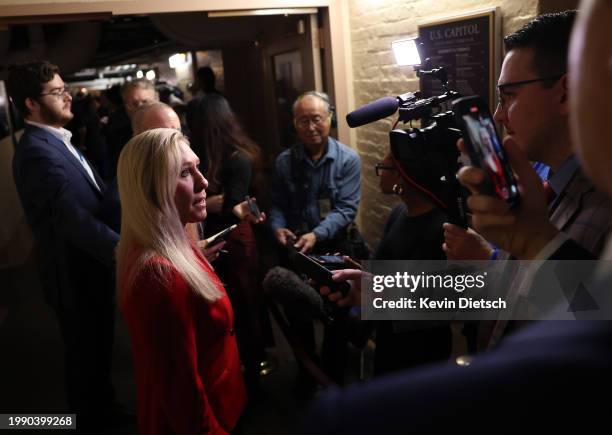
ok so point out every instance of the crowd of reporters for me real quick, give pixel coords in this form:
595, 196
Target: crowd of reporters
195, 313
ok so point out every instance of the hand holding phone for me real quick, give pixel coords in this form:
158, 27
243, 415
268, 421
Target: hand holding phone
211, 253
484, 147
219, 237
254, 210
331, 262
319, 273
248, 210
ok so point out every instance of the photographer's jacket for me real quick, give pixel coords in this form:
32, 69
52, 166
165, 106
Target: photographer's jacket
321, 196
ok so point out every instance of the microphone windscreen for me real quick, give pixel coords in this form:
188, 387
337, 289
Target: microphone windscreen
289, 290
373, 111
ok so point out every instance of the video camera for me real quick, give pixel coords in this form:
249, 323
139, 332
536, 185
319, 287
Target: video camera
428, 154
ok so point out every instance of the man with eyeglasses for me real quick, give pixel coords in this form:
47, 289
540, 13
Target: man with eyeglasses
534, 109
62, 195
314, 199
316, 195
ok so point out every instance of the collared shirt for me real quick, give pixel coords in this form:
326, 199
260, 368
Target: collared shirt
333, 179
562, 177
542, 170
64, 136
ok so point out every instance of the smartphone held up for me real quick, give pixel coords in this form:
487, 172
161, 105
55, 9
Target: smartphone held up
484, 148
253, 209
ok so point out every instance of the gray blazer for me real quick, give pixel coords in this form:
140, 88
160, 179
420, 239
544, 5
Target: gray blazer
585, 215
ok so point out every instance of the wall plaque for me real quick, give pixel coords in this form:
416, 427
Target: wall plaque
468, 47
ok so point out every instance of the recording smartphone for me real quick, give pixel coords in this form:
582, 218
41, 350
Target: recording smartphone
219, 237
253, 207
318, 273
331, 262
484, 147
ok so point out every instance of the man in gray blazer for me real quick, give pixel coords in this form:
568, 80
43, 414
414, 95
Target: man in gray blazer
534, 109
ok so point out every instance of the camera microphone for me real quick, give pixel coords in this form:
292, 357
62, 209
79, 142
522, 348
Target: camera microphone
373, 111
286, 287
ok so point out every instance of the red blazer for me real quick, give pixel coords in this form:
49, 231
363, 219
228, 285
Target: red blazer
188, 376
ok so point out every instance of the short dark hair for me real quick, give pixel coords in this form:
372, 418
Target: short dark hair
26, 80
548, 36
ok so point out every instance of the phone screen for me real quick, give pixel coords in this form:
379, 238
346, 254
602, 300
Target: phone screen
487, 149
331, 259
219, 237
253, 207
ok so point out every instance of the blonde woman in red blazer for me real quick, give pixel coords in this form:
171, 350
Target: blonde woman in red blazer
179, 317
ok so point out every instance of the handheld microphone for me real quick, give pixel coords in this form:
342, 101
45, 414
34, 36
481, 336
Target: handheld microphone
373, 111
289, 290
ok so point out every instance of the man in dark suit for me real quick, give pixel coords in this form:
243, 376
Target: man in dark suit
551, 375
61, 194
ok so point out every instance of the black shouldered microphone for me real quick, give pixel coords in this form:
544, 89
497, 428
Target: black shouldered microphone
373, 111
286, 287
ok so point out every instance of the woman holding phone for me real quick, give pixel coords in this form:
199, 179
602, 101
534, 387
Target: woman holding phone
180, 319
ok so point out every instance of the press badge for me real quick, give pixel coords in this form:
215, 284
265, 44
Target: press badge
324, 207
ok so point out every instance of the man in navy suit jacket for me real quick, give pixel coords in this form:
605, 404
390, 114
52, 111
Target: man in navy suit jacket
61, 194
553, 375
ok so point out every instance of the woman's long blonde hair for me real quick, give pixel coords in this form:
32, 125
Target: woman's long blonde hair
148, 171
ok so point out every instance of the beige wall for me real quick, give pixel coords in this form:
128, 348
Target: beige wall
373, 26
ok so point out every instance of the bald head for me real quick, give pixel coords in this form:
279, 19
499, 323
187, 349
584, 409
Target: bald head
155, 115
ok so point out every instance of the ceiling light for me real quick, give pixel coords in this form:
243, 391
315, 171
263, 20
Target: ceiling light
177, 60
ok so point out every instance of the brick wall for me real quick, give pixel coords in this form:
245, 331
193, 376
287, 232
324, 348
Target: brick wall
373, 26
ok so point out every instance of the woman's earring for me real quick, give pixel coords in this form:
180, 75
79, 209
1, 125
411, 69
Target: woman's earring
398, 189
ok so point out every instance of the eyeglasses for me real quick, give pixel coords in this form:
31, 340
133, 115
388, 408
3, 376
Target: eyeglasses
501, 88
379, 167
526, 82
57, 92
305, 121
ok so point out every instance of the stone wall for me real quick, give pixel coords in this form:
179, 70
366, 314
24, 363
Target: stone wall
373, 26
